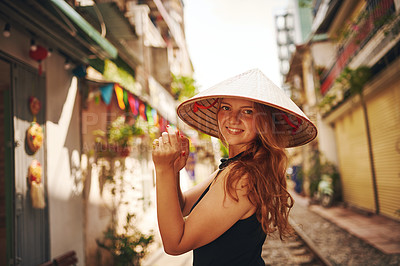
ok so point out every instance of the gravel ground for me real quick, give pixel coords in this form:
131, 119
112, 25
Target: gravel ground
337, 245
292, 251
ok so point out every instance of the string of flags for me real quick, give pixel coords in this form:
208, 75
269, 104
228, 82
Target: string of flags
129, 102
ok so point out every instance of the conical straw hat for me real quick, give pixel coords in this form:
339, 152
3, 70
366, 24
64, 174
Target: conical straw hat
200, 112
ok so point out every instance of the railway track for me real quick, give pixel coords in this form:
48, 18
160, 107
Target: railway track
297, 250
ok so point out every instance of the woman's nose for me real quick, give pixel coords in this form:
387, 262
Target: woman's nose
234, 117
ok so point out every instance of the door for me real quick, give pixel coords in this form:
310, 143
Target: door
6, 176
31, 232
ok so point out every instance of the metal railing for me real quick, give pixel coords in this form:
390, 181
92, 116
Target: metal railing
356, 35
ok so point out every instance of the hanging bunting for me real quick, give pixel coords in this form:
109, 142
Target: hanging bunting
155, 116
132, 104
97, 99
142, 110
162, 124
125, 97
149, 115
106, 93
137, 104
119, 92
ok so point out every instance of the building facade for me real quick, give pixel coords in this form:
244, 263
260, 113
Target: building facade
65, 69
351, 58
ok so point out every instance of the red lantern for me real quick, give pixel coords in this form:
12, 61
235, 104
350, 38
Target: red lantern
39, 54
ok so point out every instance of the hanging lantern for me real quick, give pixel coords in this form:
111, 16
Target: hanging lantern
35, 172
34, 105
34, 137
38, 54
36, 186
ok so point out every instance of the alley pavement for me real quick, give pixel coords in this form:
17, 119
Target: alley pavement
342, 236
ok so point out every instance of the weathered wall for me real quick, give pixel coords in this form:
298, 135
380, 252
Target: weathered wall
62, 145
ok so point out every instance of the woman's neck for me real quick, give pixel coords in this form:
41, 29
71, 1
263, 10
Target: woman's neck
236, 149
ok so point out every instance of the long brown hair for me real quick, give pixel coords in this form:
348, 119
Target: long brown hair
264, 162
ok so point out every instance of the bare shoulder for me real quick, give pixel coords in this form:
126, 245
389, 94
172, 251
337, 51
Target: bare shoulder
239, 183
193, 194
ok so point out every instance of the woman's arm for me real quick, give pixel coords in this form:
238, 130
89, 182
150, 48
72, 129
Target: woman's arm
193, 194
189, 197
215, 213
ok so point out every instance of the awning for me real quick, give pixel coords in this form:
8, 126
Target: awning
60, 26
86, 28
117, 28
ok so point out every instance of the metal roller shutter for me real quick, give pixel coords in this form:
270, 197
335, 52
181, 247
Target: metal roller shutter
353, 157
384, 115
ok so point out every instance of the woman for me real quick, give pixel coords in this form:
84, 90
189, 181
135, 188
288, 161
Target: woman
226, 218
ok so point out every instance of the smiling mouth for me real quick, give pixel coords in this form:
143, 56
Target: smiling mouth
234, 131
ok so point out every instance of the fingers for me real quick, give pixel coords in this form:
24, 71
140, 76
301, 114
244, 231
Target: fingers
172, 136
165, 138
184, 145
156, 143
160, 143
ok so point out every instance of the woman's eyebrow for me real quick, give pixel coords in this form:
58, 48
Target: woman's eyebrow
244, 106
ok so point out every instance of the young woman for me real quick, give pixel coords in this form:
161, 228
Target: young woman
226, 218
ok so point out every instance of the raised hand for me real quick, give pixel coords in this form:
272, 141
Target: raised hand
184, 154
166, 149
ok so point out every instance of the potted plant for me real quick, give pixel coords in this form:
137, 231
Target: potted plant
118, 138
128, 247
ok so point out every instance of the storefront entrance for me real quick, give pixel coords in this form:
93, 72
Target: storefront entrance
24, 227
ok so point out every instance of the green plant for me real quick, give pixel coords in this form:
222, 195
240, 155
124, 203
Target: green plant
354, 79
121, 133
349, 82
117, 139
319, 70
224, 149
318, 169
127, 248
183, 87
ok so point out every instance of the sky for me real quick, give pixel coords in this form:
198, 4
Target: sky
228, 37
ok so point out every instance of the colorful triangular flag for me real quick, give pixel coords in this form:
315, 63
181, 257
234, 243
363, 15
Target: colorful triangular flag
142, 110
132, 104
119, 92
149, 115
106, 93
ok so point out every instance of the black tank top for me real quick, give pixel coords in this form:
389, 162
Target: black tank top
240, 245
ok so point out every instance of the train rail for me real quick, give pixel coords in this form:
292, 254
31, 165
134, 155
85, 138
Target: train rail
296, 250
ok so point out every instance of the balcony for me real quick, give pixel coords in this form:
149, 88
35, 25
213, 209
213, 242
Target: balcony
359, 37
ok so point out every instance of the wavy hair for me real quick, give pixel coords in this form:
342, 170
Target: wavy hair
264, 162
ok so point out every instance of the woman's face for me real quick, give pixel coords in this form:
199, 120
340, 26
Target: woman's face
236, 121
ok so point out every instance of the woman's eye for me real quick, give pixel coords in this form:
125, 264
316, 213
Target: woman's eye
248, 112
225, 108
